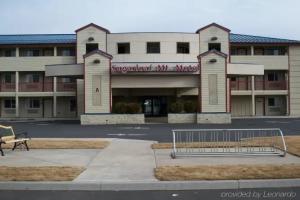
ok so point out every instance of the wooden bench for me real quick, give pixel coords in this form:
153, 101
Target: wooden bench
8, 136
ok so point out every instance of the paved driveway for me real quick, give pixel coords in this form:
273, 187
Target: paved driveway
157, 132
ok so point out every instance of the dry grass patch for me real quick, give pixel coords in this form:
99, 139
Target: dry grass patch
227, 172
292, 143
55, 173
64, 144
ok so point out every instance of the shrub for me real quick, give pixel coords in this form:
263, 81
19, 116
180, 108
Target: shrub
133, 108
120, 108
126, 108
190, 107
176, 107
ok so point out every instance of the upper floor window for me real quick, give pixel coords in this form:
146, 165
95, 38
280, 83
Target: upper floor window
214, 46
65, 51
8, 52
91, 47
28, 52
9, 78
68, 80
241, 51
270, 51
153, 47
124, 48
183, 47
273, 76
32, 78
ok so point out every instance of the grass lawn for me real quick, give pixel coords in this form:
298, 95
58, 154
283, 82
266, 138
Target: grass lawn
64, 144
55, 173
292, 143
227, 172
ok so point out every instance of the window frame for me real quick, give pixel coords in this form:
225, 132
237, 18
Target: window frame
273, 103
12, 103
182, 43
214, 43
149, 48
94, 49
123, 43
32, 103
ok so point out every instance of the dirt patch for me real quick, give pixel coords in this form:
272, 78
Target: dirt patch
53, 173
64, 144
227, 172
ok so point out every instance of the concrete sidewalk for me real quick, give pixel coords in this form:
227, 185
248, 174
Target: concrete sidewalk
122, 160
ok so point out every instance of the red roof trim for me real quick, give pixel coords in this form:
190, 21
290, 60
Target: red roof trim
94, 25
102, 53
212, 51
213, 24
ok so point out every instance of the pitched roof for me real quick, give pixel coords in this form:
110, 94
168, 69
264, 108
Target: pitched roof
38, 39
71, 39
239, 38
98, 52
213, 24
212, 51
94, 25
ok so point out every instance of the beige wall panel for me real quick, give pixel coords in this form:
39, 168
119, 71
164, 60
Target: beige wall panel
217, 68
241, 106
294, 80
269, 62
155, 81
168, 49
82, 39
212, 31
32, 63
101, 69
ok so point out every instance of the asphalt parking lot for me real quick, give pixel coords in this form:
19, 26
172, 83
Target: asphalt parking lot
157, 132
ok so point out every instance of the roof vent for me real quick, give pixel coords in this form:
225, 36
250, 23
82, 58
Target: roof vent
96, 61
213, 38
213, 60
90, 39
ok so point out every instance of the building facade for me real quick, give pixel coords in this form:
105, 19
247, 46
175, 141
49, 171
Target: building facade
91, 74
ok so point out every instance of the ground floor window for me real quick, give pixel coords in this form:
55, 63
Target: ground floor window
34, 103
9, 103
73, 105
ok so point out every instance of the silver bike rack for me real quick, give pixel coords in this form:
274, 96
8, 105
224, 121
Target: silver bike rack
228, 142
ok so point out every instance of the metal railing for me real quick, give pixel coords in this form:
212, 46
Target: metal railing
228, 142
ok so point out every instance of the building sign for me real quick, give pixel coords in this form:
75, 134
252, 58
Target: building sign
154, 67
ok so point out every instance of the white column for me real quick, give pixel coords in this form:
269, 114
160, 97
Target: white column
54, 96
17, 52
253, 95
252, 50
17, 95
55, 51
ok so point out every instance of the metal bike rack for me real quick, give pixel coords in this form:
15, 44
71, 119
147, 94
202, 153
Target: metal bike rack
228, 142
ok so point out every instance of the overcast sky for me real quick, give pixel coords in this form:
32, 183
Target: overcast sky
275, 18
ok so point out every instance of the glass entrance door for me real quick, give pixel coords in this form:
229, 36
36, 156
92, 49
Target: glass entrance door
154, 106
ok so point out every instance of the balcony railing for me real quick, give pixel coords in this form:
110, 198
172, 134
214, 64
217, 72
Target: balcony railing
240, 85
36, 87
7, 87
259, 85
271, 85
66, 87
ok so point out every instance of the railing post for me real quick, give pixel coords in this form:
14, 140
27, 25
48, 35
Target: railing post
253, 95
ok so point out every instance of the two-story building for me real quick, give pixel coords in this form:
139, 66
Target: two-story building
84, 75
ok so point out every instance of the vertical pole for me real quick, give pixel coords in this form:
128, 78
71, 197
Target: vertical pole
252, 50
17, 93
253, 95
54, 96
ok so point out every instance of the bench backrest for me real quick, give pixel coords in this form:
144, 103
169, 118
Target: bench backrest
6, 133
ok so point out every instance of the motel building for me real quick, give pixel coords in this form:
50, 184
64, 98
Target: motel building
100, 77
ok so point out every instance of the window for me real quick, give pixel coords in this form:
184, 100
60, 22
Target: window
183, 47
73, 105
271, 102
65, 51
272, 76
91, 47
123, 48
153, 47
214, 46
9, 78
32, 52
68, 80
34, 103
276, 51
8, 52
9, 103
242, 51
33, 78
233, 79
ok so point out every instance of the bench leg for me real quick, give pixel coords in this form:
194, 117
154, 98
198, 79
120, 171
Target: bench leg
15, 145
25, 143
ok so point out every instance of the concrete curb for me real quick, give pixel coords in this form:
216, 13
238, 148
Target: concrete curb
151, 185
